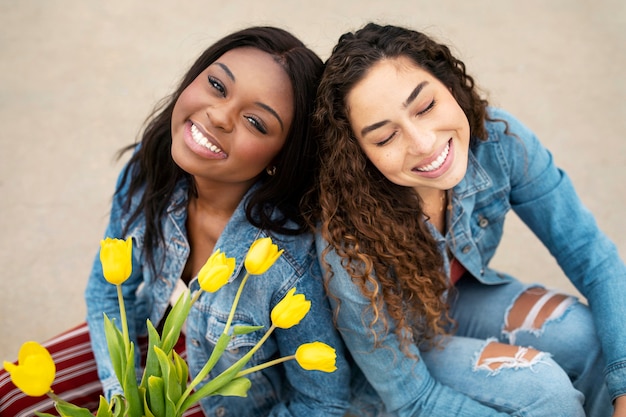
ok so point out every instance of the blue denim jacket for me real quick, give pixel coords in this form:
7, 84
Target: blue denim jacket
283, 390
504, 172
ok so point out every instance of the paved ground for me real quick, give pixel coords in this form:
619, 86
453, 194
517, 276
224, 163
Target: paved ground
77, 78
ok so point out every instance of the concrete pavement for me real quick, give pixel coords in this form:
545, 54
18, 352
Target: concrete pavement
78, 77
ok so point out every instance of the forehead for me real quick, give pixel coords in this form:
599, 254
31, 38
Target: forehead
385, 87
258, 72
388, 75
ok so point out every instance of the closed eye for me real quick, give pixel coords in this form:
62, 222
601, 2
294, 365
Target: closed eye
386, 140
428, 108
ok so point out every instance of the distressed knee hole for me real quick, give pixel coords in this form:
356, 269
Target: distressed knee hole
534, 307
497, 355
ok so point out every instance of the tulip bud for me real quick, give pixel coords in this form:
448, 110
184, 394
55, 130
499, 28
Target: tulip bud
116, 258
290, 310
35, 370
316, 356
262, 254
216, 271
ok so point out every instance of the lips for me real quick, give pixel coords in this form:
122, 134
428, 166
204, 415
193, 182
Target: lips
438, 162
202, 140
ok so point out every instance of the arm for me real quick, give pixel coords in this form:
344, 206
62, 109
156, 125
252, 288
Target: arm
620, 406
544, 198
403, 382
315, 393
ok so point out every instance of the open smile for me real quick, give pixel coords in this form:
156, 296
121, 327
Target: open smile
202, 140
437, 163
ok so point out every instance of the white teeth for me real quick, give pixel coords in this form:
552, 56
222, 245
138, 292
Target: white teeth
437, 162
200, 139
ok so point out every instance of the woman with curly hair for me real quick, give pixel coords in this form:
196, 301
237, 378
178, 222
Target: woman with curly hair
417, 174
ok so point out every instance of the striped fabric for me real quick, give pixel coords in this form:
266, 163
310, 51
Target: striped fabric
76, 378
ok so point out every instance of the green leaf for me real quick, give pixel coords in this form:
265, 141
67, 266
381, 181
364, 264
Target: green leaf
215, 384
115, 343
156, 394
238, 330
170, 380
182, 370
152, 367
103, 408
129, 384
174, 321
238, 387
219, 349
118, 405
68, 409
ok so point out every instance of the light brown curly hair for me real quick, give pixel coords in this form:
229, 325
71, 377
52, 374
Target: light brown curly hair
374, 225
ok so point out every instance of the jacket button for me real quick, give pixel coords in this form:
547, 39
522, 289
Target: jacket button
466, 249
483, 222
195, 342
220, 412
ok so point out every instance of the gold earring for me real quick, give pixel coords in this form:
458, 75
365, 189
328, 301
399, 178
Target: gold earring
271, 171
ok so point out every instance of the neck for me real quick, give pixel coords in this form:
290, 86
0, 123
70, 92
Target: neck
218, 198
435, 203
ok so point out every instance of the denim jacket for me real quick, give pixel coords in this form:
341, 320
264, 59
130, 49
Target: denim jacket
282, 390
506, 171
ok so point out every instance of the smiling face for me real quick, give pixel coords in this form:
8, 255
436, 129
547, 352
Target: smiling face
410, 126
233, 119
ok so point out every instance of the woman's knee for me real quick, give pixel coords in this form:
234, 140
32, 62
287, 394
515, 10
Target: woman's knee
536, 384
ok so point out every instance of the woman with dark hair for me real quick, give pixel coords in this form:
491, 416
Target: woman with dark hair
417, 175
222, 162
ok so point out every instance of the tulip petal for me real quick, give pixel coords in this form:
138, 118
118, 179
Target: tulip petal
316, 356
261, 256
35, 370
290, 310
116, 259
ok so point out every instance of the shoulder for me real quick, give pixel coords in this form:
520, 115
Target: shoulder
508, 133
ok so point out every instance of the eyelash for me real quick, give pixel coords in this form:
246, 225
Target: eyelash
419, 113
428, 108
217, 85
221, 89
257, 124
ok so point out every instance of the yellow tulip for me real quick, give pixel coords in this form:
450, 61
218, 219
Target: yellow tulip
116, 258
262, 254
290, 310
35, 370
216, 271
316, 356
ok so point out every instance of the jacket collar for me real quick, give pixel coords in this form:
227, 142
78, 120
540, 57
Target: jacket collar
475, 180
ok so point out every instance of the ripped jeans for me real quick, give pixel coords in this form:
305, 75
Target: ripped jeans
523, 350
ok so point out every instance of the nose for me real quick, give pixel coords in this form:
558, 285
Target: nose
420, 141
221, 116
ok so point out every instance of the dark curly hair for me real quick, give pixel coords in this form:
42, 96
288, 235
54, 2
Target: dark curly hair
153, 174
374, 225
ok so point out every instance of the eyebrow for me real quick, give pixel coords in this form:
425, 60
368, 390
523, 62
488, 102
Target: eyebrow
226, 70
272, 111
230, 75
416, 91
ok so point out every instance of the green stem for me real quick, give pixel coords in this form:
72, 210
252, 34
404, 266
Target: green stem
205, 370
235, 302
53, 396
196, 295
265, 365
120, 298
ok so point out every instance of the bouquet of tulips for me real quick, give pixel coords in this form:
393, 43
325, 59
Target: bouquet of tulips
164, 389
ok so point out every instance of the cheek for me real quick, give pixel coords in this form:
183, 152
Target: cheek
260, 153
